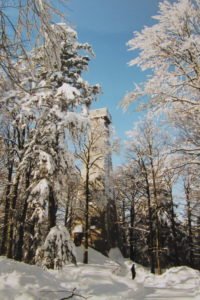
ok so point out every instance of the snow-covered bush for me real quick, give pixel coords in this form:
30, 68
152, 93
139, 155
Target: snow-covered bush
58, 249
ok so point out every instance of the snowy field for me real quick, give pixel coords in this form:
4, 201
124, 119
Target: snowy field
102, 278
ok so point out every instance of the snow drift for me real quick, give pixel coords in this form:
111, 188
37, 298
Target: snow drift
95, 281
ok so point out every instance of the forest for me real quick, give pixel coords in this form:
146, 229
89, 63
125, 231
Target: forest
57, 182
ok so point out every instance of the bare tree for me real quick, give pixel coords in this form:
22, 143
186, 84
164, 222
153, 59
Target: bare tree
191, 189
147, 149
127, 194
92, 150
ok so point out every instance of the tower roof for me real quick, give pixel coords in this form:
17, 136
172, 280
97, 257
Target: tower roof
101, 113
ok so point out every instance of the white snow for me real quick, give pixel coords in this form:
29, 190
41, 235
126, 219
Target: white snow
42, 188
95, 281
176, 283
37, 200
58, 248
78, 228
46, 161
68, 91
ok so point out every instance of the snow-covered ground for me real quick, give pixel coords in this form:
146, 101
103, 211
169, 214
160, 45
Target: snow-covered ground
103, 278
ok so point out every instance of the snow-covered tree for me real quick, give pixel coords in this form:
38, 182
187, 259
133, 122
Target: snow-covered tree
52, 105
147, 147
13, 136
57, 250
170, 50
23, 26
191, 218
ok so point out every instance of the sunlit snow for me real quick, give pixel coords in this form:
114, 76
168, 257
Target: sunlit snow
103, 278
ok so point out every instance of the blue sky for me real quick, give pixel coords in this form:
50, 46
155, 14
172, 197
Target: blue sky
108, 25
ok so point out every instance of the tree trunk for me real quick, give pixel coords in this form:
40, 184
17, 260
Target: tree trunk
124, 241
28, 243
20, 242
158, 250
174, 229
69, 211
52, 210
85, 257
6, 213
151, 235
189, 217
12, 217
131, 238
